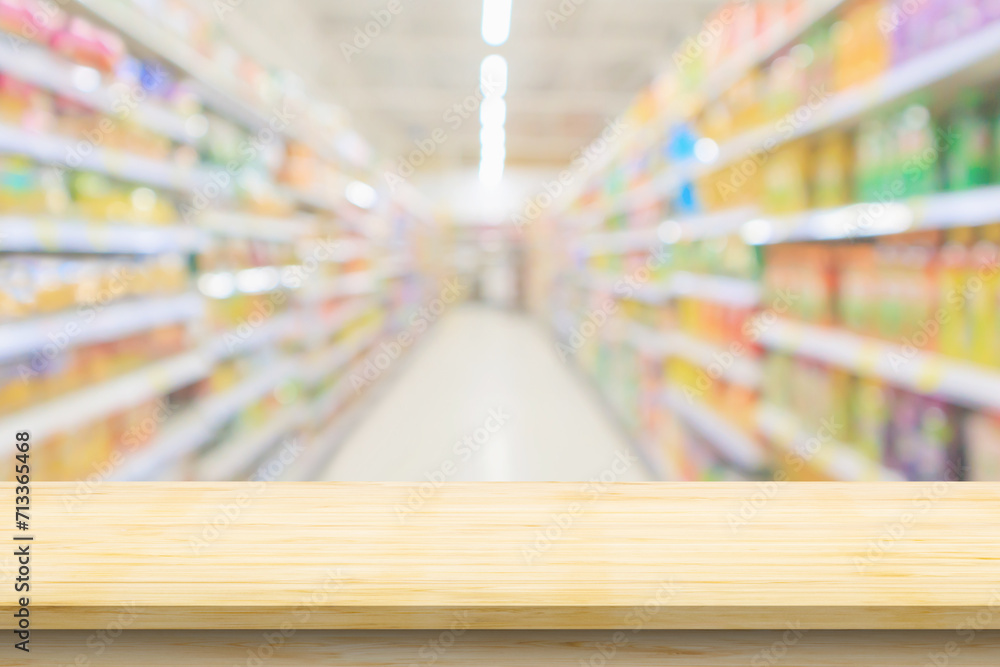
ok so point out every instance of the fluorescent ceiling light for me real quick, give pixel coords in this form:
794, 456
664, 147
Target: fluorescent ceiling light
492, 135
490, 170
496, 21
493, 76
360, 194
492, 152
493, 112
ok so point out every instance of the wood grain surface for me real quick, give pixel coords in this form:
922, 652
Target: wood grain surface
489, 648
513, 556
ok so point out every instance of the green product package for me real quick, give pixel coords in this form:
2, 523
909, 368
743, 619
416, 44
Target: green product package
969, 159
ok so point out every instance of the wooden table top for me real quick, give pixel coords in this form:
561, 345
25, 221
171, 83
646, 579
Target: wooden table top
512, 555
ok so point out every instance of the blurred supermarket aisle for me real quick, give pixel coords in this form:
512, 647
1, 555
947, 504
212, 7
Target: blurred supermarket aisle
486, 398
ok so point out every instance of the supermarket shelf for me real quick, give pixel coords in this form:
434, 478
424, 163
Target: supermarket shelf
835, 459
970, 208
66, 152
40, 67
979, 51
197, 426
30, 234
766, 47
734, 292
921, 72
721, 79
242, 225
318, 367
955, 381
241, 450
237, 341
745, 372
217, 88
73, 328
351, 284
728, 440
223, 91
335, 397
109, 397
316, 332
619, 242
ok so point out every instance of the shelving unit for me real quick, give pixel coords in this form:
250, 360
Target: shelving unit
729, 440
834, 459
286, 274
799, 240
974, 57
738, 369
24, 234
956, 381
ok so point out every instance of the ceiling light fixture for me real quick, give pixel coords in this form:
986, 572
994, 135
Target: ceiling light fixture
496, 21
493, 76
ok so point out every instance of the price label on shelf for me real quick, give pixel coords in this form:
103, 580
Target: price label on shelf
930, 372
162, 379
47, 233
868, 357
98, 237
114, 162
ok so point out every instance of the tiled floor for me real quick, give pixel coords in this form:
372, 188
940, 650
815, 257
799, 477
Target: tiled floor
485, 397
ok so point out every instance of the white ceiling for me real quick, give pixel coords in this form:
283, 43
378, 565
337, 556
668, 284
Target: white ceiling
567, 78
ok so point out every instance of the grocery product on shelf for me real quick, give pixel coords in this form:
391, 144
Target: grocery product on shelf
135, 352
855, 147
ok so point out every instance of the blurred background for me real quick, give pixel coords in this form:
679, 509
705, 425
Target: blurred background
501, 240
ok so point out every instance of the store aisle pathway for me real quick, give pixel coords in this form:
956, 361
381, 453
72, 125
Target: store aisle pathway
485, 397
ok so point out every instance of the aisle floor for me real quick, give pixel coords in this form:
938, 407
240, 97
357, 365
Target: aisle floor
484, 396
